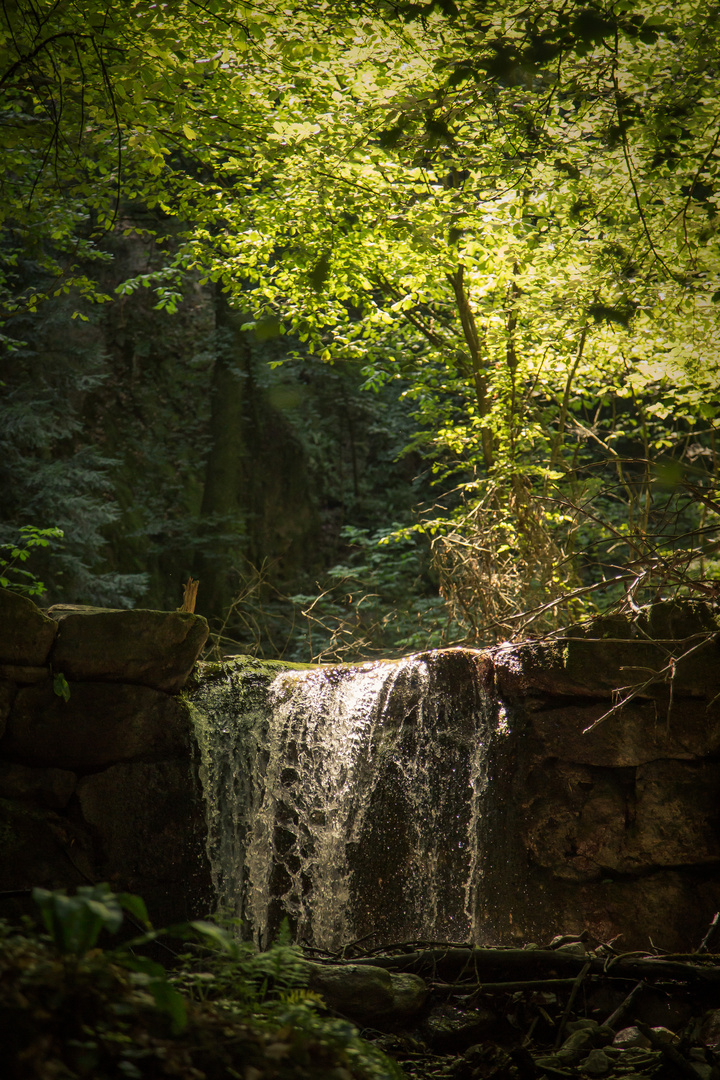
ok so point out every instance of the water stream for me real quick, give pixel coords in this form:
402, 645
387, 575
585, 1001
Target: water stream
350, 799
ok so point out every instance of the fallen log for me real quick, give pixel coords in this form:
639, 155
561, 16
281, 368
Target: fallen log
507, 964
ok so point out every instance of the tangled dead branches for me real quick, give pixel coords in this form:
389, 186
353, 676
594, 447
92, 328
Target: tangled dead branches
505, 557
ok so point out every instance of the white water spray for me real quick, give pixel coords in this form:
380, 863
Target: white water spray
348, 799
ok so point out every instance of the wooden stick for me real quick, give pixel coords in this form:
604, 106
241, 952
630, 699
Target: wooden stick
571, 1001
624, 1006
704, 944
668, 1051
190, 589
502, 964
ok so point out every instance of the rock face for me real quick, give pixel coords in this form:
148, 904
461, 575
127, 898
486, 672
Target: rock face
97, 773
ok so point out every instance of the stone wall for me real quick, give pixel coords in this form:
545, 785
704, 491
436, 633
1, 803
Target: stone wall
97, 762
604, 770
614, 828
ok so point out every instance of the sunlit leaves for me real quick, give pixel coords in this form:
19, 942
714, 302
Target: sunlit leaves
334, 169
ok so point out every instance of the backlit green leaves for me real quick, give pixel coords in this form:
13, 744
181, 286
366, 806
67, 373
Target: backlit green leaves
75, 922
338, 171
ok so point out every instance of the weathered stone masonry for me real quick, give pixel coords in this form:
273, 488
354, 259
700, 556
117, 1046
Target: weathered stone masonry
101, 786
614, 829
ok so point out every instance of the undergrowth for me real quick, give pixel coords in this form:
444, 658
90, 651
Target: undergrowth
71, 1009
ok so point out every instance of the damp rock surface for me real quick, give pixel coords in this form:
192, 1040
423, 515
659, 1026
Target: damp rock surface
98, 772
155, 648
147, 823
348, 798
26, 633
52, 788
606, 654
98, 725
369, 995
495, 796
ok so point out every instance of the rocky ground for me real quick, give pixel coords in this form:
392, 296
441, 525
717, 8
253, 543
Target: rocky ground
575, 1008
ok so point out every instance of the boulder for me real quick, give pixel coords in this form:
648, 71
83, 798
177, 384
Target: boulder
710, 1029
153, 648
52, 788
449, 1030
101, 724
631, 1036
369, 994
26, 634
149, 824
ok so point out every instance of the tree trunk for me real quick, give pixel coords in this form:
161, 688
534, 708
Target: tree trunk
224, 499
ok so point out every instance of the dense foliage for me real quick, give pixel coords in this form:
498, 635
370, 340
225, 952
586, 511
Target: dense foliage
479, 233
70, 1008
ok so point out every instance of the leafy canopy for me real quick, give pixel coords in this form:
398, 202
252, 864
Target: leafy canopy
513, 208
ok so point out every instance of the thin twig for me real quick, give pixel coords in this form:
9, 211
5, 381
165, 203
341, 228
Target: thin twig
654, 679
571, 1001
710, 934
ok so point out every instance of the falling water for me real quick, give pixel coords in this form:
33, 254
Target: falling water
348, 799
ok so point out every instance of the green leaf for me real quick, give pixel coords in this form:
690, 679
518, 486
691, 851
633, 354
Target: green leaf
60, 686
215, 935
75, 922
135, 905
171, 1002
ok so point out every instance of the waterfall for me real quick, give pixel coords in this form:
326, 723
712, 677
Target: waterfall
348, 799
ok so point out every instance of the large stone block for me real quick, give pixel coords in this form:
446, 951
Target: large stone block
614, 654
149, 822
52, 788
582, 822
639, 732
99, 725
41, 848
575, 819
26, 634
677, 821
154, 648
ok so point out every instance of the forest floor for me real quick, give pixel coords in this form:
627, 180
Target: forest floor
573, 1009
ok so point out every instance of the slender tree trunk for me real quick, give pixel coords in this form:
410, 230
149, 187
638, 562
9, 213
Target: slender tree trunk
224, 499
472, 339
